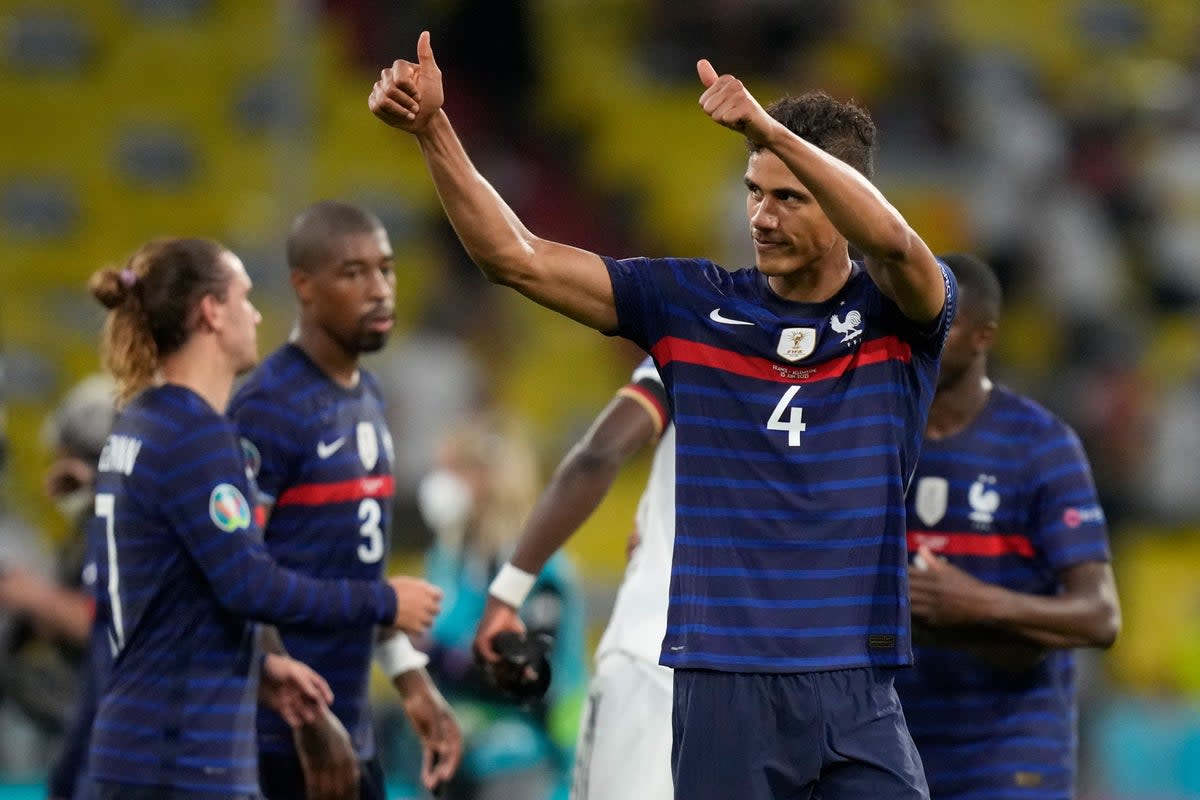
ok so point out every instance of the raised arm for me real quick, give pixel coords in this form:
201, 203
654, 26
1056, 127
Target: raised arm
898, 260
569, 280
576, 489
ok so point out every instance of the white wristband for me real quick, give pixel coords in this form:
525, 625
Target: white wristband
396, 656
511, 585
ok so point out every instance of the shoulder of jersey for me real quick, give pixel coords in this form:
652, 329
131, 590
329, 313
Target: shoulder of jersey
1039, 418
267, 378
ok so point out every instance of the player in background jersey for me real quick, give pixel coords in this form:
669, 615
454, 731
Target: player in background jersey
624, 747
312, 419
799, 389
1011, 571
185, 569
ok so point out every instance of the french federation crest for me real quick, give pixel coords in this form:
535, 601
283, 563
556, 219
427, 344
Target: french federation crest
984, 500
797, 343
930, 501
368, 445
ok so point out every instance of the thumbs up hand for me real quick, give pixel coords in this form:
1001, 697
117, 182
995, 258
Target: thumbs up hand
407, 94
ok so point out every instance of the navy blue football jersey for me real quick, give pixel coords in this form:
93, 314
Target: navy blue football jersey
183, 571
797, 428
322, 459
1010, 499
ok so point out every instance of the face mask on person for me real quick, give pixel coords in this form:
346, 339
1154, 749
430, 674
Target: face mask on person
445, 503
74, 504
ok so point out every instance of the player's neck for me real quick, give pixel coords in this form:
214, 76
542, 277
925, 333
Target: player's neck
192, 368
813, 283
956, 406
330, 357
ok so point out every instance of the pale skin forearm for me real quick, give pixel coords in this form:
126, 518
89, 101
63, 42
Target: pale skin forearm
66, 612
270, 641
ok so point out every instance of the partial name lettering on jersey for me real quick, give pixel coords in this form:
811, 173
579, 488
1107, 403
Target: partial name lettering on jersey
119, 454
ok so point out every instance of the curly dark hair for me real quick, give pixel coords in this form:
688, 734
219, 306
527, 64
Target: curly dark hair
844, 130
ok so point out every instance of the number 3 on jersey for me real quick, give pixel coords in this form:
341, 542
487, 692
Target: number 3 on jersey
794, 424
370, 515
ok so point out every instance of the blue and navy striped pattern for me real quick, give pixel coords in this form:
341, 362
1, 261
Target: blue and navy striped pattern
178, 708
1018, 506
326, 512
789, 550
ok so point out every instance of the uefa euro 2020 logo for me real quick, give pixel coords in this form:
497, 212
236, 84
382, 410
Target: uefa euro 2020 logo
228, 508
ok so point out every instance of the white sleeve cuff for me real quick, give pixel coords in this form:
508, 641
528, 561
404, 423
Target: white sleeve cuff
397, 656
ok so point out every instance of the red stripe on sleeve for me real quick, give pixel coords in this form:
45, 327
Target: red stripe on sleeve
318, 494
672, 348
971, 544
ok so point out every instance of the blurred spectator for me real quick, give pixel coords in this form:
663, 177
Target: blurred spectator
51, 610
476, 502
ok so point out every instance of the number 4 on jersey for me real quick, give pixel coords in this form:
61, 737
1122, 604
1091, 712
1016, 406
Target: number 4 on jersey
794, 425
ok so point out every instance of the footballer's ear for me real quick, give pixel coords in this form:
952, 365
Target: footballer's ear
302, 284
983, 336
208, 314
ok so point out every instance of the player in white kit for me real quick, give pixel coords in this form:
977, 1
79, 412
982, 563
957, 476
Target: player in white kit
625, 739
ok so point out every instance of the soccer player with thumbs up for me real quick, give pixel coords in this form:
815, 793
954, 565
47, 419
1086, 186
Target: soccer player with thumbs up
799, 387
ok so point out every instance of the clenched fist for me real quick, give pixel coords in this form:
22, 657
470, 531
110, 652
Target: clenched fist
417, 603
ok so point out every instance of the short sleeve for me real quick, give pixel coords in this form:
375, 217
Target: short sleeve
927, 339
640, 300
1068, 523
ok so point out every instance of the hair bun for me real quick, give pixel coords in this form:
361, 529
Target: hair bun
109, 287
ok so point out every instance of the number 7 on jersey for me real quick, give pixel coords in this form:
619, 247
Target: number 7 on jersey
106, 510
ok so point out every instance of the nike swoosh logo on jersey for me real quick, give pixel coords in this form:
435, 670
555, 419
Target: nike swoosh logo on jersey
326, 450
715, 316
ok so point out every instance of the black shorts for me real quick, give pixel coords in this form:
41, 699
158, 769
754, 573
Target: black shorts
282, 778
836, 735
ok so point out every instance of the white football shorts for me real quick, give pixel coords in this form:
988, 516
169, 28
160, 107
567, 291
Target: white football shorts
624, 748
